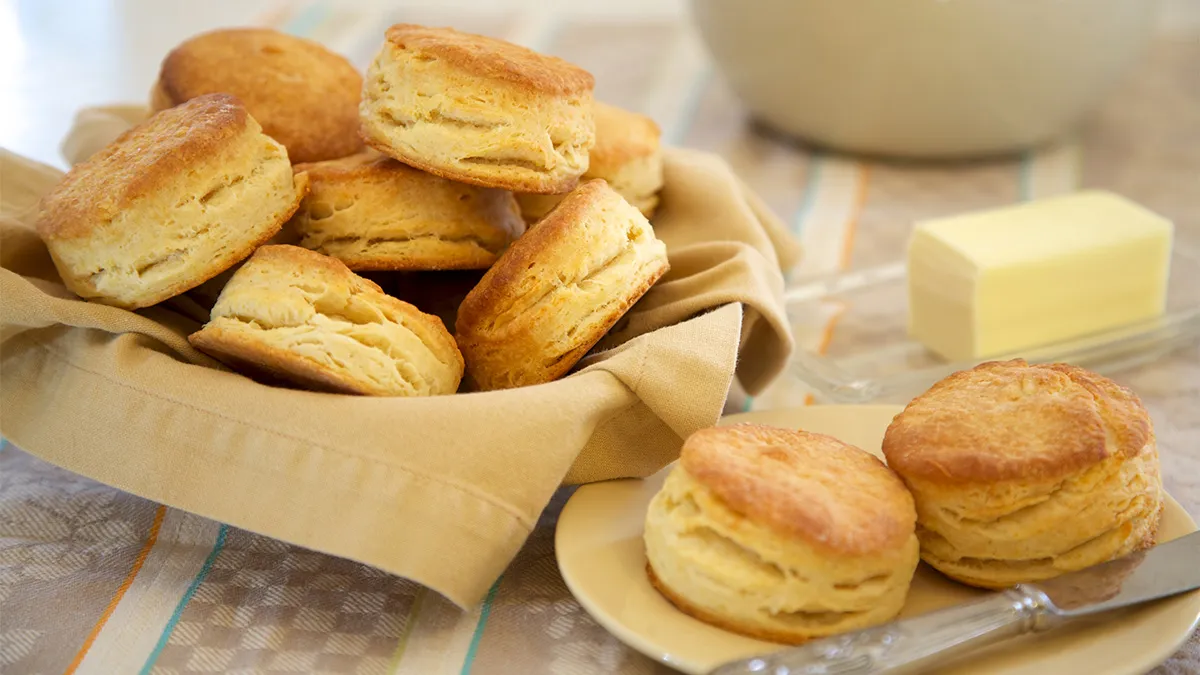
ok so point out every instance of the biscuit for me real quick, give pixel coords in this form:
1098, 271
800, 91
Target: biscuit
478, 110
627, 155
169, 204
304, 317
1022, 472
374, 213
558, 289
305, 96
781, 535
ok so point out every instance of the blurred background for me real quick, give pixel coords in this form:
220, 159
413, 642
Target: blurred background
57, 56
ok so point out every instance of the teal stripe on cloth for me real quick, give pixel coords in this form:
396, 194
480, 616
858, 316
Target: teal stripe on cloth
183, 602
1025, 176
300, 25
815, 161
312, 16
748, 404
483, 617
541, 43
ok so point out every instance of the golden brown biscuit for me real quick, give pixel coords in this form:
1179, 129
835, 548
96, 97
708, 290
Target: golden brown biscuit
558, 290
305, 96
478, 110
374, 213
1022, 472
304, 317
627, 155
781, 535
170, 204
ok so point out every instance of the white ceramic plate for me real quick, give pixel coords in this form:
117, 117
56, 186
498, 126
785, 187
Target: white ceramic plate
600, 553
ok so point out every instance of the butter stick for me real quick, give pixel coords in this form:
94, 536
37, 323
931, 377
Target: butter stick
996, 282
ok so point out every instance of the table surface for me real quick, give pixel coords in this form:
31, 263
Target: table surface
137, 587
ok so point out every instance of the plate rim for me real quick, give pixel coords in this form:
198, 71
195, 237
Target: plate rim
1145, 659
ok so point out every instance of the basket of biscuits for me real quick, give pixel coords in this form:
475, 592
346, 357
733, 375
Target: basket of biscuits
383, 315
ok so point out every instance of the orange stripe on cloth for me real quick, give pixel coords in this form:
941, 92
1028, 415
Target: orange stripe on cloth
116, 599
826, 338
860, 201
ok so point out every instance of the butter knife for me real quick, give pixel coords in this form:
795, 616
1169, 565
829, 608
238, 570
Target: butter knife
908, 645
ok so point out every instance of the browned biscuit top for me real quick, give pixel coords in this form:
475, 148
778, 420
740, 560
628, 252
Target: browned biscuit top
305, 317
140, 161
302, 259
1014, 421
410, 188
621, 136
359, 166
810, 486
305, 96
492, 58
549, 246
375, 213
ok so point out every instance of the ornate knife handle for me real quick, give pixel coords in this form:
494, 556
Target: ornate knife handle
901, 645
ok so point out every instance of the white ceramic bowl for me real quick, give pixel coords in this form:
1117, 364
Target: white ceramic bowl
923, 78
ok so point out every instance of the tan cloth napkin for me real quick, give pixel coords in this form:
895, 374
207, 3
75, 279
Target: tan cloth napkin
441, 490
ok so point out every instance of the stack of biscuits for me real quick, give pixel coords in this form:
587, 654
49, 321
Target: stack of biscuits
1004, 474
328, 211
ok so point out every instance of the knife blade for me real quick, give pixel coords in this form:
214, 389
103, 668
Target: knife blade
908, 644
1167, 569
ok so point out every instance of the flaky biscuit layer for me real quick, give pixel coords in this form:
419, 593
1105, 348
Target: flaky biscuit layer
304, 317
170, 204
627, 155
478, 110
558, 289
726, 568
1022, 472
374, 213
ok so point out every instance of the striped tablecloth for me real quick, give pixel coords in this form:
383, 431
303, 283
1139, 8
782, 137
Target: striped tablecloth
96, 581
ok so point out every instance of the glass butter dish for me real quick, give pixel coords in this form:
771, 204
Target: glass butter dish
853, 343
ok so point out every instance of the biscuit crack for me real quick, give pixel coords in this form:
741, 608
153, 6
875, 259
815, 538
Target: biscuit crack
966, 520
174, 256
558, 358
805, 618
519, 162
526, 302
402, 122
1008, 563
710, 538
869, 581
602, 309
404, 369
220, 188
401, 239
436, 116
